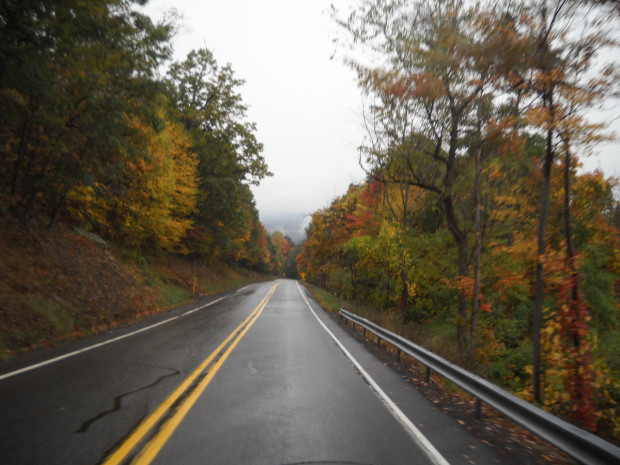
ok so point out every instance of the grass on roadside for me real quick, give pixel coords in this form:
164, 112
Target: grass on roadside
438, 337
176, 279
324, 298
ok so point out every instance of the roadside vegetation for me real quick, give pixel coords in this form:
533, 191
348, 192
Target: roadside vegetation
61, 285
124, 176
476, 233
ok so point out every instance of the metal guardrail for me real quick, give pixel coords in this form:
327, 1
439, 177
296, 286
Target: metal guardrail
579, 444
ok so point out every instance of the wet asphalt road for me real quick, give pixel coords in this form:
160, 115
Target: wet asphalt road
285, 393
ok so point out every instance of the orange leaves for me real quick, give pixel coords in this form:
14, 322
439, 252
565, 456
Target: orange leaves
424, 86
405, 86
373, 193
486, 308
539, 116
356, 215
465, 286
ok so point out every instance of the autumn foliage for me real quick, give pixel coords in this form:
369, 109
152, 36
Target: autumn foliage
101, 132
476, 225
92, 134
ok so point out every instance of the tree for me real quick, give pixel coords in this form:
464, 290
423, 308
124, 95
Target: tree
229, 156
555, 63
281, 249
66, 89
516, 185
152, 203
440, 59
290, 266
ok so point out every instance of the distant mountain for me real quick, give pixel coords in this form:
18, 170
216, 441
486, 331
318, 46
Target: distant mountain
292, 225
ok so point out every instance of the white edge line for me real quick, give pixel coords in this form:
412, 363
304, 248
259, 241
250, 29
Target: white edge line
95, 346
430, 450
203, 306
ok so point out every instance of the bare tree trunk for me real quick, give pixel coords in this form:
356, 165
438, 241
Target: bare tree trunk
404, 293
580, 367
21, 153
475, 304
570, 251
460, 236
461, 326
542, 248
387, 275
58, 208
353, 283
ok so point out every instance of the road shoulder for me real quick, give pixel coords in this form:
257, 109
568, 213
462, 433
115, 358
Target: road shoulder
448, 422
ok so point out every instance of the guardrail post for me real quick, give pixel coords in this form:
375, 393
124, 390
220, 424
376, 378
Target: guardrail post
364, 332
354, 327
378, 341
427, 378
398, 355
478, 408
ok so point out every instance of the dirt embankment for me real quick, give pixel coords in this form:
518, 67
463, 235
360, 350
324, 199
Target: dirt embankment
59, 285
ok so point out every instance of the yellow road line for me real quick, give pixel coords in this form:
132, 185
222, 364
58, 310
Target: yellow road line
140, 432
149, 452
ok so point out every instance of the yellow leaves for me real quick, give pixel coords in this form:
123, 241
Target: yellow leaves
163, 187
85, 205
548, 331
158, 189
412, 289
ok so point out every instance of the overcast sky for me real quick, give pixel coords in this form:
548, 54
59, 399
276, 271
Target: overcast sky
307, 107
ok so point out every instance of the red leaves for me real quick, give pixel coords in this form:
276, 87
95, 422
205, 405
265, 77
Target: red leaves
486, 308
573, 318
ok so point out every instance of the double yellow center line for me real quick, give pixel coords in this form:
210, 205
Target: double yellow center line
179, 403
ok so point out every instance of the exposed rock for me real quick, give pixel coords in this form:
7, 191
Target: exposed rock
101, 242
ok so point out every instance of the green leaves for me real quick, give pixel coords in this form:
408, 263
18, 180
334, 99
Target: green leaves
206, 99
78, 79
206, 95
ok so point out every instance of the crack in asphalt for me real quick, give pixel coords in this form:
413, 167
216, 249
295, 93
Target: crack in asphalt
118, 401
